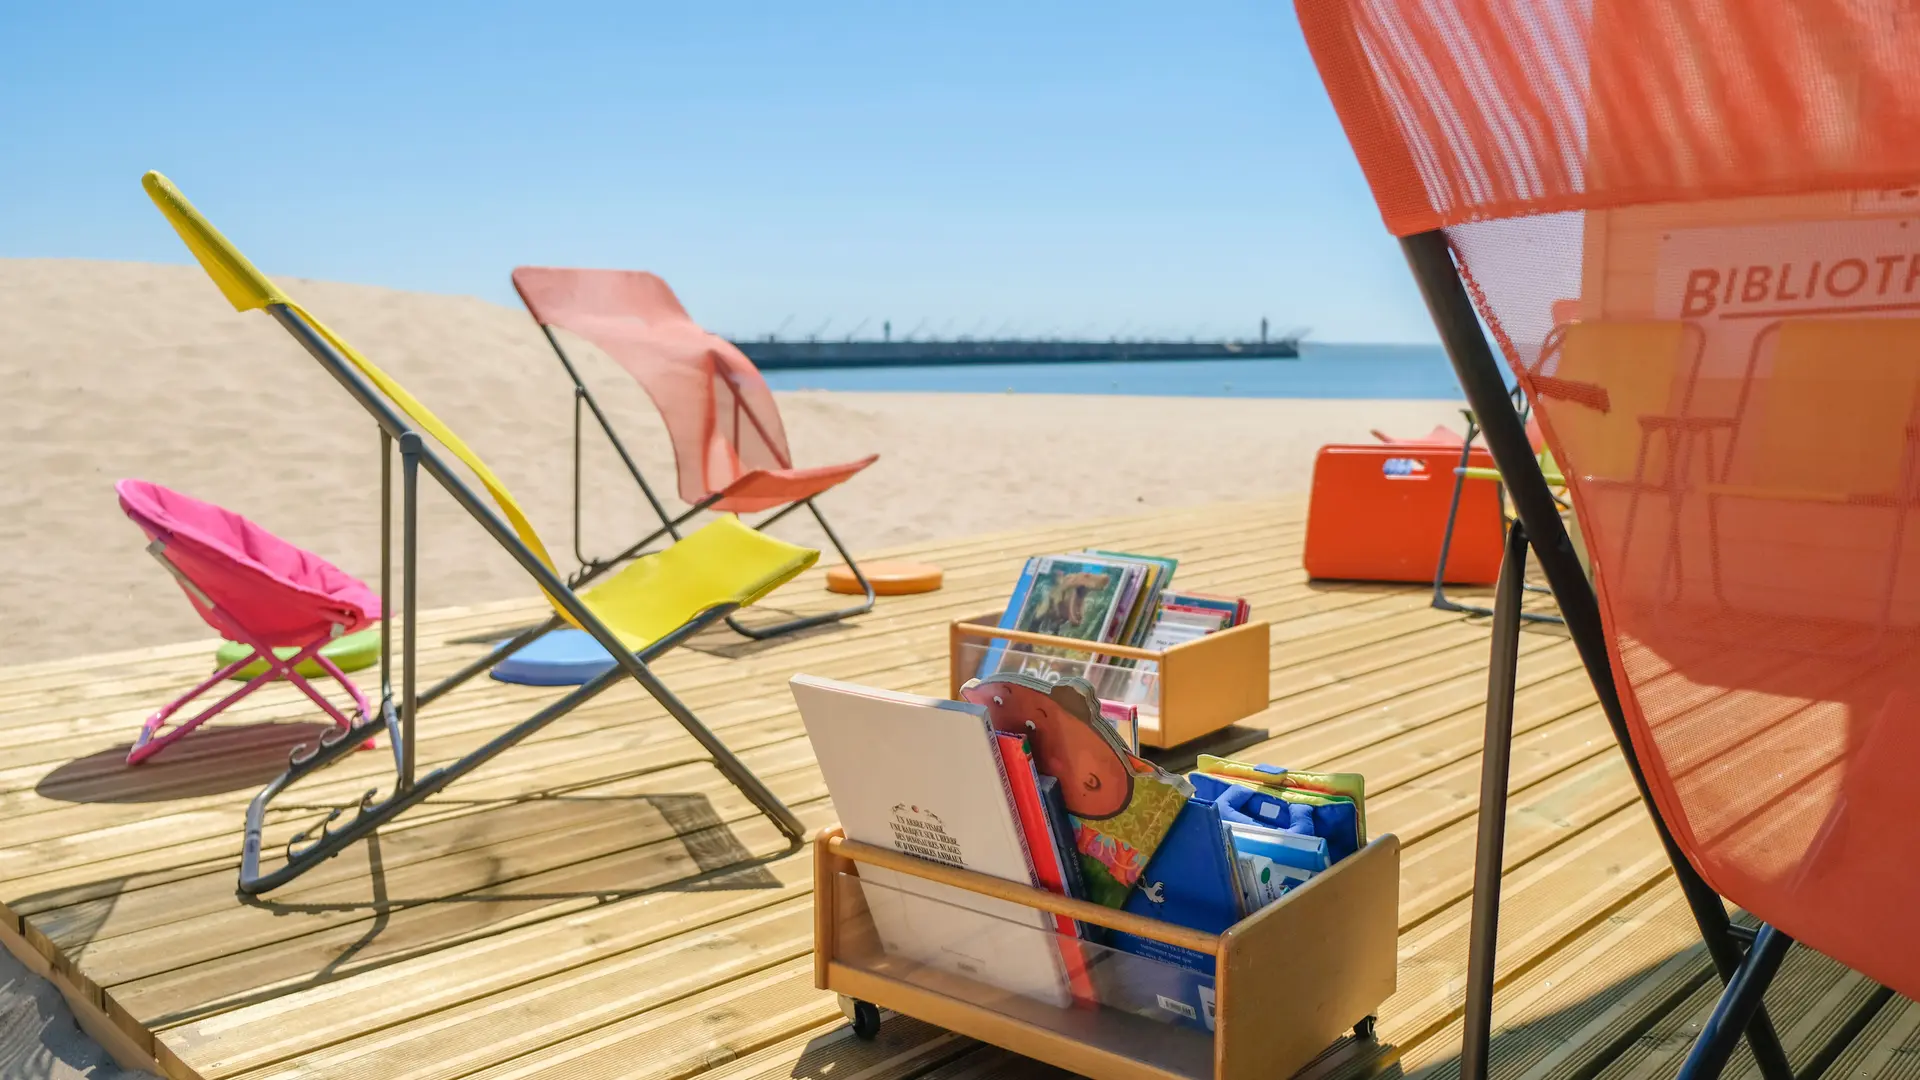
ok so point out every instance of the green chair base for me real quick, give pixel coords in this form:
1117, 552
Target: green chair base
350, 652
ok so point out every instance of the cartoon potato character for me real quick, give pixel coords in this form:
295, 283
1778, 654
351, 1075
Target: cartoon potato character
1063, 726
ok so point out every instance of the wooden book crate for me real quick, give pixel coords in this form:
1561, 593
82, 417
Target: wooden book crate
1290, 980
1200, 686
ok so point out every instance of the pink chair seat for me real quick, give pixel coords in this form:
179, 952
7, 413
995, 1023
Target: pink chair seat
261, 586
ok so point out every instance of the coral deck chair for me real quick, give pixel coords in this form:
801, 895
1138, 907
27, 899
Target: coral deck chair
254, 588
1745, 169
652, 604
729, 446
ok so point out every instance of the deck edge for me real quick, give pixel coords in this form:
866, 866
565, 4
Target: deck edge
122, 1046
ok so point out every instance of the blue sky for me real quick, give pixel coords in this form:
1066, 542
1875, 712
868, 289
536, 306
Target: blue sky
1037, 166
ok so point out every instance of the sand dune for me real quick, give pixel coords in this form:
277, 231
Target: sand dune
121, 369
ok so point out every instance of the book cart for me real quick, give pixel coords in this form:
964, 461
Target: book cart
1290, 980
1195, 688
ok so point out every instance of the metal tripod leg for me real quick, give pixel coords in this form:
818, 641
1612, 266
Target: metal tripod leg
1496, 757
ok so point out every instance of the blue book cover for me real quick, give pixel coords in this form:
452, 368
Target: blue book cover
1009, 619
1062, 825
1189, 882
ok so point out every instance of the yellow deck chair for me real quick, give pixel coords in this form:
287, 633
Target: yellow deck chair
641, 611
1616, 395
1832, 427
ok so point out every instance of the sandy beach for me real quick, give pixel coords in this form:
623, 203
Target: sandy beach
128, 369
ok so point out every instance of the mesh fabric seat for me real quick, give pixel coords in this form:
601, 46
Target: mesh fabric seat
729, 445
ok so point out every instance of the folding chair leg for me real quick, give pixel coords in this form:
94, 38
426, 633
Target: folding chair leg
150, 740
1443, 602
1496, 756
368, 813
1738, 1005
762, 633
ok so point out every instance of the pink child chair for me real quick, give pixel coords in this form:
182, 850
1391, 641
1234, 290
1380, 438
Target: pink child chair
254, 588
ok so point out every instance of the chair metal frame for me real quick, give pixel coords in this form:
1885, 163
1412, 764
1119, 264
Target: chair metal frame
151, 740
583, 397
1441, 601
1744, 960
397, 718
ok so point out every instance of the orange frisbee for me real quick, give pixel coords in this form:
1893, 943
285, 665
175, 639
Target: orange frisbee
887, 578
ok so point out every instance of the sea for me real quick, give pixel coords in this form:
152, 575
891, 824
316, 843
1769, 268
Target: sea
1322, 371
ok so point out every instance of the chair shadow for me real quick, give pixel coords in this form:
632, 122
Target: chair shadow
722, 641
210, 761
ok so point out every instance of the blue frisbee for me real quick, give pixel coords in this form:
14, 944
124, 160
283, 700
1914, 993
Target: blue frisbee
561, 658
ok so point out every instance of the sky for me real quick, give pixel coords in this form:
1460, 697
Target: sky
984, 167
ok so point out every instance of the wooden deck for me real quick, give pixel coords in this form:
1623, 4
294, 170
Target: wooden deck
601, 903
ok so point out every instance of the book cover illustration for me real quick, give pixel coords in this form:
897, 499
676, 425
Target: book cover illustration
1122, 805
1072, 598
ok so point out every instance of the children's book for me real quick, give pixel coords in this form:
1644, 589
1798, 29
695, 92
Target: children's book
1125, 719
1159, 573
1061, 823
1009, 619
1338, 800
924, 776
1122, 804
1072, 597
1272, 862
1048, 858
1234, 608
1190, 882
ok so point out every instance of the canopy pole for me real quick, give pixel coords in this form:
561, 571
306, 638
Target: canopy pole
1431, 259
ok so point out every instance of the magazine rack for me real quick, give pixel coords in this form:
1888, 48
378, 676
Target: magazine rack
1291, 979
1196, 688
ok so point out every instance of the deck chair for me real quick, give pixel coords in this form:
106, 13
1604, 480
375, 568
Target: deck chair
1663, 160
649, 606
728, 443
1831, 421
254, 588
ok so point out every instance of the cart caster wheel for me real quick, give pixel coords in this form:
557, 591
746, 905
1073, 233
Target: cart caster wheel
866, 1019
1364, 1029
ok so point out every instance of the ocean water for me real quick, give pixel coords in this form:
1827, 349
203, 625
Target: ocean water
1323, 371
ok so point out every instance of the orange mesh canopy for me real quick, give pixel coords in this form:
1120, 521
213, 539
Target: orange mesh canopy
1692, 227
726, 430
1462, 110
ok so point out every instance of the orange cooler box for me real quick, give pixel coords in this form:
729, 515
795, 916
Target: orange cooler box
1378, 513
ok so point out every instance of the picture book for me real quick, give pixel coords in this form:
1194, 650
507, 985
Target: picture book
1076, 597
1234, 608
1122, 805
1061, 823
997, 648
1023, 780
1159, 574
1337, 801
1272, 862
924, 776
1125, 720
1190, 882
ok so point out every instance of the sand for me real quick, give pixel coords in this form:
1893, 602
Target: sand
122, 369
39, 1039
